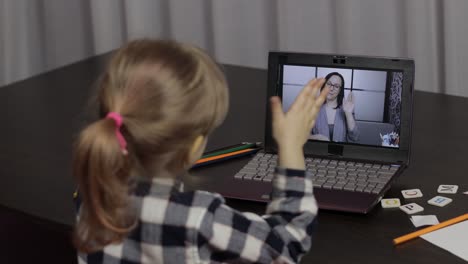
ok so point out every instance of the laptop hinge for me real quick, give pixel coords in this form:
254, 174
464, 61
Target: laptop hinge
335, 150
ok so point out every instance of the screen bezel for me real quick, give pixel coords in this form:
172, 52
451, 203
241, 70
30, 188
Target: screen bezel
348, 151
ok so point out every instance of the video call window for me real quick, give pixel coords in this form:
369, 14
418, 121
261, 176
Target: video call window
377, 101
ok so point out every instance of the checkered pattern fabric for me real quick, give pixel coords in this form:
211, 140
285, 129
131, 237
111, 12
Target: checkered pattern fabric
197, 227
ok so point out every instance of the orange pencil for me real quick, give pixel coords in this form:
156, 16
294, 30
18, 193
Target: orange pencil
410, 236
223, 155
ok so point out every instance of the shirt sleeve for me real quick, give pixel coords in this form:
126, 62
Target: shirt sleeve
353, 135
282, 235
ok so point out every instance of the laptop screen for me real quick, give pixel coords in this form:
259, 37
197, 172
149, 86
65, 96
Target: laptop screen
363, 106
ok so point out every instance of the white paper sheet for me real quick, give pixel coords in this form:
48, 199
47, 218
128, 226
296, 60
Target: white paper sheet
452, 238
423, 220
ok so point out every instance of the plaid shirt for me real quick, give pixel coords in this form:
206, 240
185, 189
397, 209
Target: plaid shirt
197, 227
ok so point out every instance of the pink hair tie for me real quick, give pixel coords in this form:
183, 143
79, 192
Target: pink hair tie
118, 123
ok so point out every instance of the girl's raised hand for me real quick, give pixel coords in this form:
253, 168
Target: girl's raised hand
292, 129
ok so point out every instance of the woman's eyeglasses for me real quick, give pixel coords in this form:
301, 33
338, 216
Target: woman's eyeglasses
335, 86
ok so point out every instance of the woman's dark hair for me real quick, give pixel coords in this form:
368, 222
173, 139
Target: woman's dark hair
340, 97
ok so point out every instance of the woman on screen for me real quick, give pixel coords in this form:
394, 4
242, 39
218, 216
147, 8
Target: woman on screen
335, 121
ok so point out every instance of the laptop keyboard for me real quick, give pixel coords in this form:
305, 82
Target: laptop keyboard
326, 173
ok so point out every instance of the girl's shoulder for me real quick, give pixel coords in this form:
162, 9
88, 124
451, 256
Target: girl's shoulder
196, 198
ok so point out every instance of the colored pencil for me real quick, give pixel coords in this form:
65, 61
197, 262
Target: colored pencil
426, 230
222, 157
230, 149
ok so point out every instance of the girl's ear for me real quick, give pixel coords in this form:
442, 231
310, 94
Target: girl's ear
197, 148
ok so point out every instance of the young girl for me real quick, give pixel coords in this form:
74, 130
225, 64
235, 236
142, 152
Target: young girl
159, 101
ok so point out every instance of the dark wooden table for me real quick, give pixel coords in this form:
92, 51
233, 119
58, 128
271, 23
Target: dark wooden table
41, 116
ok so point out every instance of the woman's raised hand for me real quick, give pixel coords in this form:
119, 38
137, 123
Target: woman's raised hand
348, 104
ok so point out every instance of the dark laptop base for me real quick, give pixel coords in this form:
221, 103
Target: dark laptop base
229, 187
343, 201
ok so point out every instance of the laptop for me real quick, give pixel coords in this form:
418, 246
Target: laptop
352, 168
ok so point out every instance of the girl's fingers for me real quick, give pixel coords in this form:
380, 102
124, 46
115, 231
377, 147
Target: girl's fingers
318, 86
276, 108
306, 105
323, 95
314, 94
313, 112
304, 96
